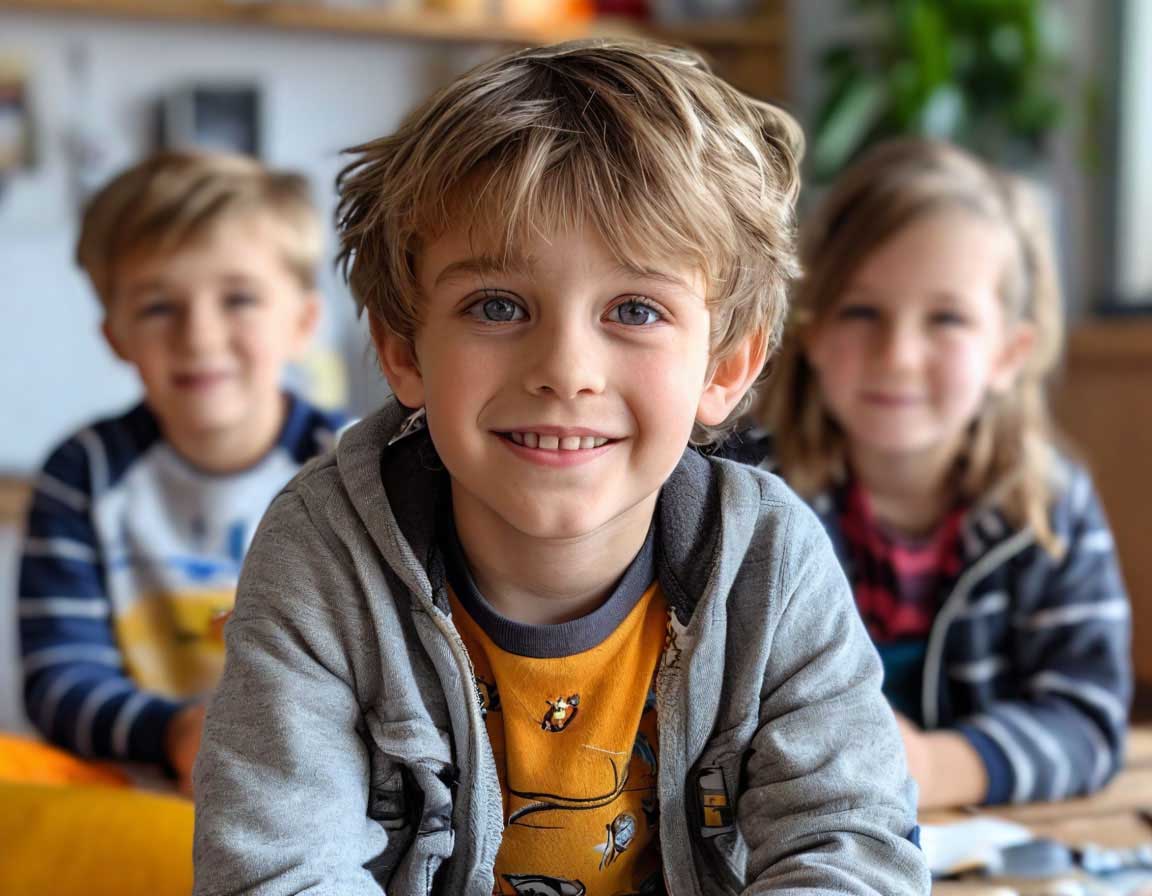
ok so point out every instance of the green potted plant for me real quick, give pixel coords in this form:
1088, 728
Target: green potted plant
986, 74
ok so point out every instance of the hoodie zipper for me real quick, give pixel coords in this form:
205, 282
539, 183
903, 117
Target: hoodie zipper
477, 731
952, 607
669, 689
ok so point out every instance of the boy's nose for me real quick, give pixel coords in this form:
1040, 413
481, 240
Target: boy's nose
565, 363
203, 328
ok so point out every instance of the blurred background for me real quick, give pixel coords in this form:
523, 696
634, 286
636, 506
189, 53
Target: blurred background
1059, 90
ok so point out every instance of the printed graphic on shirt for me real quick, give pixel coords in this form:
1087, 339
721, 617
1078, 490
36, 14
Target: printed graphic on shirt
561, 712
174, 643
538, 885
173, 581
524, 804
488, 696
576, 746
621, 833
675, 640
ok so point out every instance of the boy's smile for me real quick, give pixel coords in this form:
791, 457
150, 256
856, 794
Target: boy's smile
556, 446
561, 385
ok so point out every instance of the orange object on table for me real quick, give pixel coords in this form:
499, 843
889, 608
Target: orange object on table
31, 762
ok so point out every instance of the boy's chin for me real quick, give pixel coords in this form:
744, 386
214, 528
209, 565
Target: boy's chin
203, 422
583, 521
207, 423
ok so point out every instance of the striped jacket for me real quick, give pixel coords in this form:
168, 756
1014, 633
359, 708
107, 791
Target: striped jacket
1028, 656
129, 559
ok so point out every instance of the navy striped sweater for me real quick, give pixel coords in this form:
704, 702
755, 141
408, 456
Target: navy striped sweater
130, 560
1029, 654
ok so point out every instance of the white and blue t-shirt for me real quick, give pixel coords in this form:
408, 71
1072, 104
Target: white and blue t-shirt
130, 562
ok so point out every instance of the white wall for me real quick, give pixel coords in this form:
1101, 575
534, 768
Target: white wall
321, 93
1134, 230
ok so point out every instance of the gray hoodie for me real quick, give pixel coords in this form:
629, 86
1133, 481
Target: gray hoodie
345, 752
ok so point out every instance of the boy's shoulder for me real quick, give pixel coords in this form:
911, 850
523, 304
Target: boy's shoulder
752, 445
97, 455
758, 501
748, 491
345, 485
714, 510
310, 431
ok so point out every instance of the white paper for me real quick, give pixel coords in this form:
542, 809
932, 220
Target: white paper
969, 844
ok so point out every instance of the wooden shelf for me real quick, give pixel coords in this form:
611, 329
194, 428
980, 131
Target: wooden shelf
768, 31
349, 20
14, 494
765, 31
1120, 342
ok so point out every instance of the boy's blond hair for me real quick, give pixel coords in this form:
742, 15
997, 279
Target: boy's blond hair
1010, 446
172, 198
637, 140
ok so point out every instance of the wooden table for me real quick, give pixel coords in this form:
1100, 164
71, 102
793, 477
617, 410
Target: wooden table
1119, 816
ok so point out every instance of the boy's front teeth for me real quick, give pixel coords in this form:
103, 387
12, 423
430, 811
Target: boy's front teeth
555, 443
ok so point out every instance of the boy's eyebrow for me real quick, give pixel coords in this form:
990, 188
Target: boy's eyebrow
141, 287
654, 274
523, 266
485, 264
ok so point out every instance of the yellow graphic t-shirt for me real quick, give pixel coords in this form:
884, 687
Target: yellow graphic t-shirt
575, 744
173, 643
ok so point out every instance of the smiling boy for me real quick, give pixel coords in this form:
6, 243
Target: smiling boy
518, 637
205, 268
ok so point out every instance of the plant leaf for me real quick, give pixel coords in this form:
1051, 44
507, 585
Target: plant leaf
846, 123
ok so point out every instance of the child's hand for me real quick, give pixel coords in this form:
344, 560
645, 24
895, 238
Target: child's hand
182, 741
916, 749
945, 766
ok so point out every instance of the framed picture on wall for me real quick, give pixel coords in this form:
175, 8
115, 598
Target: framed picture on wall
225, 118
15, 117
1131, 268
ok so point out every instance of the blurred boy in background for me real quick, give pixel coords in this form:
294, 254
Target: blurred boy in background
205, 266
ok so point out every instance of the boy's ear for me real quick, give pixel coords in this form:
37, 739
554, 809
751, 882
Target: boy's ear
309, 319
398, 364
731, 377
110, 337
1018, 345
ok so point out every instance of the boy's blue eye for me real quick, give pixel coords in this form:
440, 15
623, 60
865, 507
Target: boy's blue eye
239, 299
497, 310
948, 318
157, 308
635, 313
